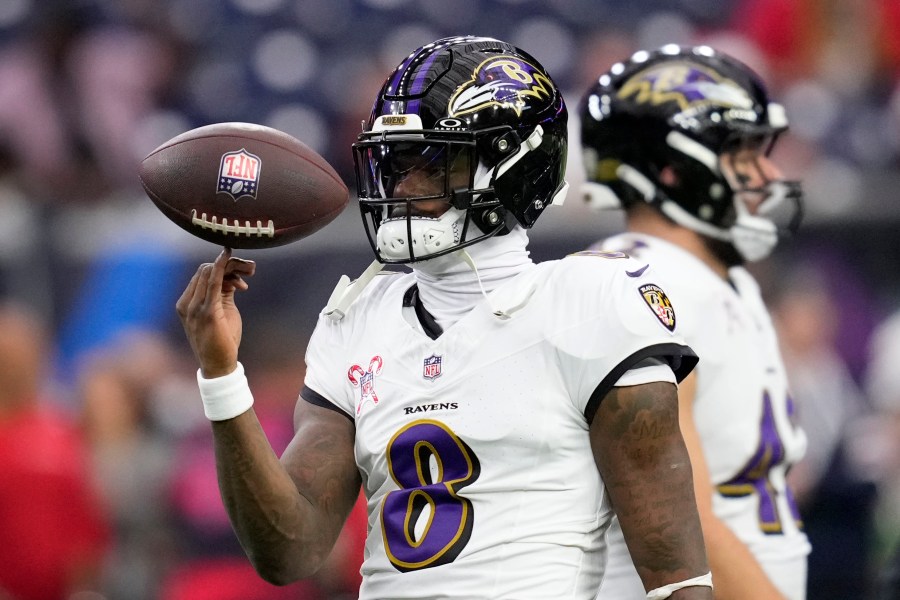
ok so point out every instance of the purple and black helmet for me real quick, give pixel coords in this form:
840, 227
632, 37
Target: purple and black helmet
464, 102
682, 108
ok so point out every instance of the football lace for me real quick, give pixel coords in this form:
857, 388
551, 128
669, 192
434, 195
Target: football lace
259, 230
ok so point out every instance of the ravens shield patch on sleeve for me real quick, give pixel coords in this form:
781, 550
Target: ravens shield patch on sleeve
660, 304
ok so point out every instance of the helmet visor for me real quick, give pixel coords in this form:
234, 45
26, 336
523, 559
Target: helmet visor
419, 170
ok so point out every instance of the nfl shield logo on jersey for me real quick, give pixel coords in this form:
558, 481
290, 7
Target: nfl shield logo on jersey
660, 304
239, 174
432, 367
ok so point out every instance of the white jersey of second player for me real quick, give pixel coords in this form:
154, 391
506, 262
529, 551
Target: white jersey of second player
473, 447
743, 413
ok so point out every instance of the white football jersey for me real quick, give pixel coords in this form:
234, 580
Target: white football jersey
742, 410
473, 447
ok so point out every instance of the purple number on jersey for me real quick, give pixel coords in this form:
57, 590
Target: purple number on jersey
754, 477
449, 519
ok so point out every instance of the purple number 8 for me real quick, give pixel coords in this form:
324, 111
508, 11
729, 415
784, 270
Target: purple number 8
431, 465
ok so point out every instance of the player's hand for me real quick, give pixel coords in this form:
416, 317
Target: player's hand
209, 315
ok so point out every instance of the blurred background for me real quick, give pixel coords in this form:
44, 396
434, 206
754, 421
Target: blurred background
107, 483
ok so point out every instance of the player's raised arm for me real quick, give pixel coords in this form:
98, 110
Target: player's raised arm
642, 457
287, 519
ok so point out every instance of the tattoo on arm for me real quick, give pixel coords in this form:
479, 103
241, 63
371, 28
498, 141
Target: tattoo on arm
288, 513
643, 461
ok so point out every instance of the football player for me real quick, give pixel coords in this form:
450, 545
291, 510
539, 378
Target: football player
680, 137
491, 408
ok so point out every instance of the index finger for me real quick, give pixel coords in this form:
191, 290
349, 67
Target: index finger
214, 284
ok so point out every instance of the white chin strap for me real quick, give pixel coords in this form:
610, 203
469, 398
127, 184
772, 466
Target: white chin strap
428, 235
753, 237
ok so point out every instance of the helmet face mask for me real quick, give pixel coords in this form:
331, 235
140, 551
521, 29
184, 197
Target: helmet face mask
473, 122
759, 187
416, 194
707, 118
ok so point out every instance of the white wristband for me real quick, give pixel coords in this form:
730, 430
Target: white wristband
225, 397
667, 590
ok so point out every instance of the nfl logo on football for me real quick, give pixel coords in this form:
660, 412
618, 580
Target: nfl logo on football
432, 367
239, 174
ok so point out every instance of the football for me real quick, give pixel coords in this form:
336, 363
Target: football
243, 185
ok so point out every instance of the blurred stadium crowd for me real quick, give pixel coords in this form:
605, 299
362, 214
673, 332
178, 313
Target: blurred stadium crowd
107, 485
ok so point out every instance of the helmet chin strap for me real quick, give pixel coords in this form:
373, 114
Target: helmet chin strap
753, 237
